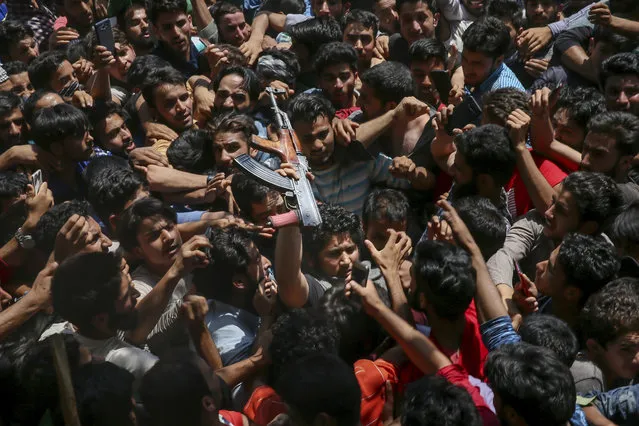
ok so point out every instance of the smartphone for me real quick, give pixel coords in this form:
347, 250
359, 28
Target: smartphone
360, 273
441, 80
36, 179
68, 90
207, 234
465, 113
104, 34
524, 287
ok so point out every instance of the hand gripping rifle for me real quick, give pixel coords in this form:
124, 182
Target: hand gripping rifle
298, 194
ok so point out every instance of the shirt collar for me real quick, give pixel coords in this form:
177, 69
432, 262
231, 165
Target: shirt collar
488, 83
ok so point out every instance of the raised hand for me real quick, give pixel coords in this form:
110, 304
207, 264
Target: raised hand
194, 308
397, 247
525, 295
191, 255
517, 124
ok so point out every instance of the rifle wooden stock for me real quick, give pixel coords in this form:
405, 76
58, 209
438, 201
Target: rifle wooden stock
286, 148
65, 384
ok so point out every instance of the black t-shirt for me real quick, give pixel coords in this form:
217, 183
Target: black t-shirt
398, 48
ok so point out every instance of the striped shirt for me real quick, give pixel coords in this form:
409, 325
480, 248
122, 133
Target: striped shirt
348, 184
501, 78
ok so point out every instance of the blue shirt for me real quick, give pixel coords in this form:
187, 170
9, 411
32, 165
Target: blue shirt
501, 78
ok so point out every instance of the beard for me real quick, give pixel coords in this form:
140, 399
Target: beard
123, 321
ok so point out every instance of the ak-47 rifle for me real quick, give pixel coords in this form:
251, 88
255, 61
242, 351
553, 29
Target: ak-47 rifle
298, 194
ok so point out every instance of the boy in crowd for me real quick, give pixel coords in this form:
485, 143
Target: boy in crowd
19, 77
17, 43
360, 31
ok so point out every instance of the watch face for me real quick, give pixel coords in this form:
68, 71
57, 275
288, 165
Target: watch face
28, 242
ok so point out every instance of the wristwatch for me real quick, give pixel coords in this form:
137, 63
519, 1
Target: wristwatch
26, 241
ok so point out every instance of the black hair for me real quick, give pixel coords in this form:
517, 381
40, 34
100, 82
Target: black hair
85, 285
359, 334
230, 255
233, 122
111, 188
170, 384
336, 220
427, 48
619, 64
539, 374
445, 276
54, 219
57, 124
308, 107
9, 101
321, 384
432, 4
489, 36
581, 103
298, 333
616, 42
283, 6
625, 228
552, 333
506, 11
622, 126
104, 109
165, 6
611, 313
12, 32
224, 8
43, 67
500, 103
434, 401
487, 150
12, 184
391, 81
247, 191
597, 196
277, 64
158, 77
485, 223
335, 53
385, 204
315, 32
588, 262
15, 67
29, 106
190, 152
131, 219
250, 83
78, 49
234, 55
104, 394
364, 17
142, 66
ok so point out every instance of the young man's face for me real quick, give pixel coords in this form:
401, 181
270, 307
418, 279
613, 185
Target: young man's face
159, 242
317, 139
362, 39
541, 12
11, 129
231, 96
174, 29
417, 21
227, 147
550, 277
370, 104
80, 149
269, 206
326, 8
600, 155
114, 134
79, 12
621, 356
462, 172
420, 71
234, 29
137, 27
376, 231
26, 50
63, 76
386, 12
338, 84
21, 85
562, 216
337, 257
124, 315
477, 67
124, 57
174, 105
567, 131
474, 6
622, 93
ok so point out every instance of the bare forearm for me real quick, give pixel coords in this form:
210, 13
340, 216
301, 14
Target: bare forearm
14, 316
243, 370
259, 27
577, 60
102, 87
487, 299
539, 189
541, 133
164, 179
293, 288
624, 26
201, 14
368, 132
399, 303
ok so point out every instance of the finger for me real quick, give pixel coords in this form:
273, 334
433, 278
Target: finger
370, 246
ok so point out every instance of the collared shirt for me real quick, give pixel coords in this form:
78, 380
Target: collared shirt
501, 78
578, 19
40, 19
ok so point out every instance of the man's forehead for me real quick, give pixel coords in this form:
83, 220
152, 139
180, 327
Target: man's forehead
336, 69
622, 80
432, 63
169, 17
169, 90
599, 140
413, 7
224, 138
231, 82
357, 28
234, 18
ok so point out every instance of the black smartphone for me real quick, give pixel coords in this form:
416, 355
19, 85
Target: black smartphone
104, 34
465, 113
441, 80
207, 234
359, 273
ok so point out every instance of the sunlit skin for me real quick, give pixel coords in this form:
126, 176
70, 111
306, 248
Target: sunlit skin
231, 96
318, 141
21, 85
174, 106
174, 29
562, 217
234, 29
114, 134
124, 57
337, 257
363, 41
228, 146
567, 131
417, 21
159, 242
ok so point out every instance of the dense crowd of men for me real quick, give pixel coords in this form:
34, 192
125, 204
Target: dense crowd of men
474, 163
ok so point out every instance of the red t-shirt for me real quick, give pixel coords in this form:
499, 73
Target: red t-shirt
346, 112
232, 418
519, 201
